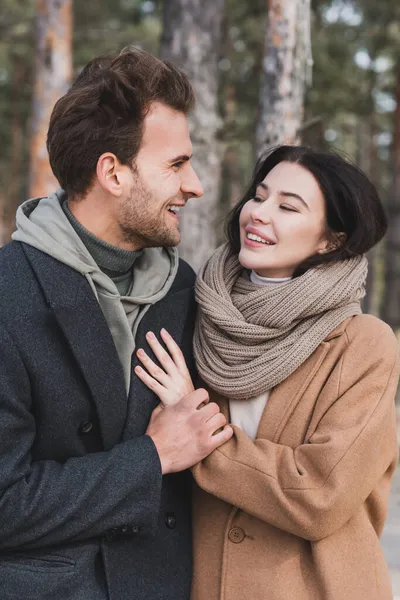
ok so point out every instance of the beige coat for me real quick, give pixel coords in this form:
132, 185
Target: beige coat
297, 513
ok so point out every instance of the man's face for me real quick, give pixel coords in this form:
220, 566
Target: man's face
162, 182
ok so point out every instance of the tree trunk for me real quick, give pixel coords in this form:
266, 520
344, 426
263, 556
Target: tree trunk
15, 167
391, 304
52, 77
191, 39
286, 72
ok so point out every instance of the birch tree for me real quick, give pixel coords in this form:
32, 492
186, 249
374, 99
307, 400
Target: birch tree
286, 71
53, 71
191, 39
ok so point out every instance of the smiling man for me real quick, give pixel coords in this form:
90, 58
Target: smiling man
94, 492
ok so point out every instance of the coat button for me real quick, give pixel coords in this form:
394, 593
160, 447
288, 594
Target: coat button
170, 520
236, 535
85, 427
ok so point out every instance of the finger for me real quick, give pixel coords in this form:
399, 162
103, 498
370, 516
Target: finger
161, 354
220, 438
196, 399
174, 350
209, 411
155, 371
151, 383
216, 422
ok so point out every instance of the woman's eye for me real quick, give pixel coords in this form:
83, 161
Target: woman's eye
258, 199
288, 208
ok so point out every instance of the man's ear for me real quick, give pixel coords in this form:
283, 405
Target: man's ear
109, 174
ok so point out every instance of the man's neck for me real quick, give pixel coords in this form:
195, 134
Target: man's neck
115, 262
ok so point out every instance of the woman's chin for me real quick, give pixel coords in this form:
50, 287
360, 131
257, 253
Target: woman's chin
248, 262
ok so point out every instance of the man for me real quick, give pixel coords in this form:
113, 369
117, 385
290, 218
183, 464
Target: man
94, 496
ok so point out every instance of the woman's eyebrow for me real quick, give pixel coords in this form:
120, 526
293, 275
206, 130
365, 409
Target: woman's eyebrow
293, 195
285, 194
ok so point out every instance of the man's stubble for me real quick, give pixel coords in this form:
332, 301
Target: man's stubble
143, 220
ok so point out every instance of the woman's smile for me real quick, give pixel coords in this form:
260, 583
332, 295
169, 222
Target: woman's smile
287, 214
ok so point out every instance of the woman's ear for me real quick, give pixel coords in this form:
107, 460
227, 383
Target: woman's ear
335, 241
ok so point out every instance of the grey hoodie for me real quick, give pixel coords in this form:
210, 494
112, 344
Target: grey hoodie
42, 223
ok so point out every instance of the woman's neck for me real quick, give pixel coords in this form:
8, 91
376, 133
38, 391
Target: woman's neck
256, 278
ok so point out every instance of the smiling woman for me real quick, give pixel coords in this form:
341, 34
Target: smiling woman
292, 506
285, 351
275, 217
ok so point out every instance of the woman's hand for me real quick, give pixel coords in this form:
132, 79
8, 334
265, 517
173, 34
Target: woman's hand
173, 381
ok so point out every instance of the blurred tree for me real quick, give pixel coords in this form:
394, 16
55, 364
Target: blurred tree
352, 97
16, 62
391, 304
286, 70
242, 48
52, 78
191, 38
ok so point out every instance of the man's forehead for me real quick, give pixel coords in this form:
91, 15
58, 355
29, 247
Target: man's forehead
168, 130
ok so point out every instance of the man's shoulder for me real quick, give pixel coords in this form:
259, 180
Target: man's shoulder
12, 260
18, 279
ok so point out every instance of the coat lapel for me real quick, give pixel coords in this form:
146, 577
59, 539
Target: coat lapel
80, 317
176, 313
285, 396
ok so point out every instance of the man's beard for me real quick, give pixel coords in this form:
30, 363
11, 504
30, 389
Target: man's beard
143, 223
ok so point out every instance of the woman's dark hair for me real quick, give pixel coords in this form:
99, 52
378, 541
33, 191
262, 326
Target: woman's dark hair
104, 111
352, 202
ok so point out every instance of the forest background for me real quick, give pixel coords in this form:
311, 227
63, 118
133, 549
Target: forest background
324, 73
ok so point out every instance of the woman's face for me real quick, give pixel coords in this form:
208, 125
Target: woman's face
284, 224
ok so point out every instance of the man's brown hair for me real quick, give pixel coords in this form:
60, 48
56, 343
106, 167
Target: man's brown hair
104, 111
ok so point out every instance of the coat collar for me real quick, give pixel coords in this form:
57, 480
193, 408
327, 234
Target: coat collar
285, 396
340, 329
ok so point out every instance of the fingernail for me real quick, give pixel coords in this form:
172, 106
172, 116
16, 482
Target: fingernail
140, 352
150, 334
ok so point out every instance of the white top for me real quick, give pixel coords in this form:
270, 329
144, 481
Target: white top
246, 414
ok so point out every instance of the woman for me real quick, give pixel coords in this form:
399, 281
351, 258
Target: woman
292, 506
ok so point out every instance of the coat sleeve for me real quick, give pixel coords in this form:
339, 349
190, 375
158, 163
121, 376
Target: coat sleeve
313, 489
47, 502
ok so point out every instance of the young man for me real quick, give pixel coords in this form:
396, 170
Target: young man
94, 496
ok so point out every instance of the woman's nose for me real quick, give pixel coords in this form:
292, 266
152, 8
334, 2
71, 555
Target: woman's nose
260, 213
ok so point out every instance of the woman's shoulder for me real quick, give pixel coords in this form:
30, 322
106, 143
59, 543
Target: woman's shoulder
366, 334
369, 326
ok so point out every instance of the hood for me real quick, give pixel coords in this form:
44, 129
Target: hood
41, 223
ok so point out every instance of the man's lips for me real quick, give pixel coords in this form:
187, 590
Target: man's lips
174, 209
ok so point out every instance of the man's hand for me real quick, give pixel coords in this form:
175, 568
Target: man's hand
185, 433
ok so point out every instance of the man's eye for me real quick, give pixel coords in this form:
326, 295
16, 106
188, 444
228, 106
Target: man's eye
177, 165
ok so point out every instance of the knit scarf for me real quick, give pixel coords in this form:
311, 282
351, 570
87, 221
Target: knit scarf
250, 338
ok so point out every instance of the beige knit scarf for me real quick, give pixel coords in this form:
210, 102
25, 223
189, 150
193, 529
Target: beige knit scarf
249, 338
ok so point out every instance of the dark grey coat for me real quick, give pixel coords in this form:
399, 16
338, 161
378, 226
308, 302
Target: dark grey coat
84, 511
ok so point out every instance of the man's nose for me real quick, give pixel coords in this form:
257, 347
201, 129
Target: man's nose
191, 184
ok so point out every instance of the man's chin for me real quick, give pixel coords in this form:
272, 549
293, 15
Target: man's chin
167, 241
